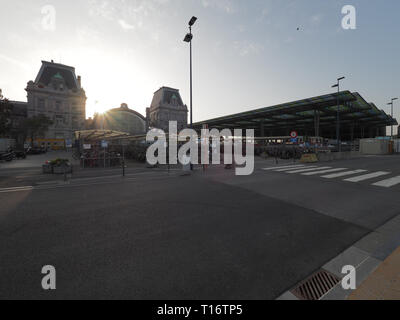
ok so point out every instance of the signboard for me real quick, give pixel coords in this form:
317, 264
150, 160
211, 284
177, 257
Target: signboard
68, 143
294, 134
104, 144
87, 146
309, 158
294, 140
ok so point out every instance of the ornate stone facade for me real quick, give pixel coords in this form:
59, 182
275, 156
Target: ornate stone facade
167, 106
58, 94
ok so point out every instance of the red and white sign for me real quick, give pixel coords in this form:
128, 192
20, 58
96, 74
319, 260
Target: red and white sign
294, 134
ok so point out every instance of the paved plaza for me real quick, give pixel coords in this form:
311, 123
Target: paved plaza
159, 235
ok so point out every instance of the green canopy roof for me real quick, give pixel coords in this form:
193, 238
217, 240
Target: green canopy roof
297, 114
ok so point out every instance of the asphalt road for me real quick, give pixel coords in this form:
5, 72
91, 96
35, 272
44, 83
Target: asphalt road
160, 236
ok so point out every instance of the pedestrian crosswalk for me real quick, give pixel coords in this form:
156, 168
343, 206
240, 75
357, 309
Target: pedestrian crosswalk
367, 176
388, 183
323, 172
308, 169
343, 174
347, 175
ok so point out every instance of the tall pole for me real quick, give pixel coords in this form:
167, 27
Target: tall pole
338, 120
392, 123
191, 82
338, 114
392, 107
189, 38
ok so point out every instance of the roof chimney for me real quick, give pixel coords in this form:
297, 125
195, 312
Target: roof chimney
79, 82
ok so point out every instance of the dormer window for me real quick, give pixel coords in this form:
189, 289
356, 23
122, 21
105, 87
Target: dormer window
174, 100
58, 82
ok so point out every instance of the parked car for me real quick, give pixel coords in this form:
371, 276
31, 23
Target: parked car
36, 150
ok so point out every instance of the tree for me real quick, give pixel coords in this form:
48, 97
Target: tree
5, 114
37, 126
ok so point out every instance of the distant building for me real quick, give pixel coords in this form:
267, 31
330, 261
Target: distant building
57, 93
122, 119
16, 122
19, 114
167, 105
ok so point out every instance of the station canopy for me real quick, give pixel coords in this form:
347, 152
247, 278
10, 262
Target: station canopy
302, 114
107, 135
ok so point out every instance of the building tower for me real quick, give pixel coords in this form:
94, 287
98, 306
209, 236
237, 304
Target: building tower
167, 106
57, 93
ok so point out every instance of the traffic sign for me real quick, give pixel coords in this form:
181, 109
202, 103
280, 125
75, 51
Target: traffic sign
294, 134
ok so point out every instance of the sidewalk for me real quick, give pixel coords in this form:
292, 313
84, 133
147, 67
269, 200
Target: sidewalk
383, 284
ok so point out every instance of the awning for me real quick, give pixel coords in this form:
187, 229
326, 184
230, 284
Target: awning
108, 135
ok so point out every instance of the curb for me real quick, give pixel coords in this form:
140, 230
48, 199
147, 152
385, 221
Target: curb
366, 256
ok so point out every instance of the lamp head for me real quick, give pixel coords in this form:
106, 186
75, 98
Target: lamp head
188, 37
192, 21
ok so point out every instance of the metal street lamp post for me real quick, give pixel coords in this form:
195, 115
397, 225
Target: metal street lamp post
188, 38
391, 104
337, 85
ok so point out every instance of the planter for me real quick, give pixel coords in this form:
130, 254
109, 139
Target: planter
47, 168
62, 169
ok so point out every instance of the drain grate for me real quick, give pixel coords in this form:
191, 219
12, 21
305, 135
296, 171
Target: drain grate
316, 286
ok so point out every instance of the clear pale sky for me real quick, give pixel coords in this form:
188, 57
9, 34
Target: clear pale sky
247, 53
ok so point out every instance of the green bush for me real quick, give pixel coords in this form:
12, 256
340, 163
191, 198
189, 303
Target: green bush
59, 162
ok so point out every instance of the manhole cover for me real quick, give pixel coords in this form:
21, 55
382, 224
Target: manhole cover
316, 286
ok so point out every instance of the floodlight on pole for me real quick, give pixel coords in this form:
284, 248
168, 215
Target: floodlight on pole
192, 21
188, 38
337, 85
392, 104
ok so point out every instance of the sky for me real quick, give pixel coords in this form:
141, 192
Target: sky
247, 54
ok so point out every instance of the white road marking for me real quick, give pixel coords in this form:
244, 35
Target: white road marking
81, 183
291, 169
368, 176
323, 172
311, 168
16, 189
388, 183
343, 174
285, 167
